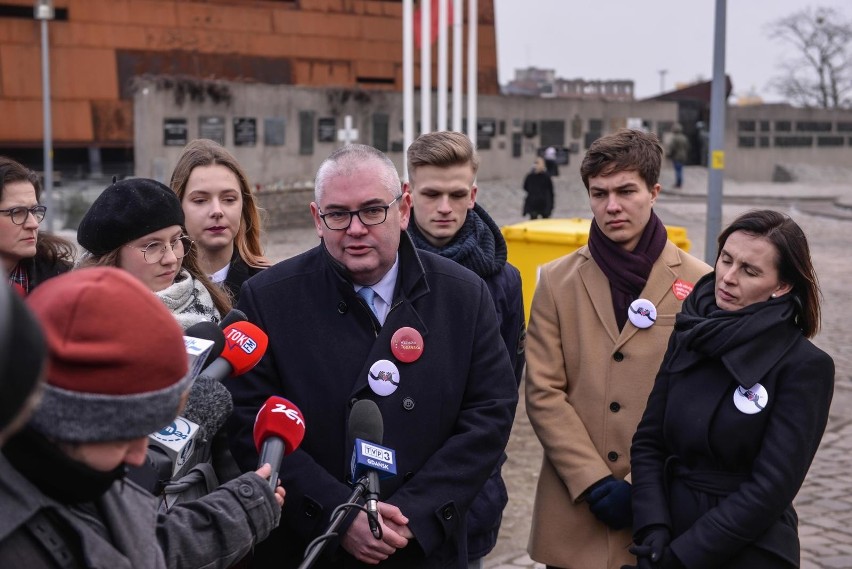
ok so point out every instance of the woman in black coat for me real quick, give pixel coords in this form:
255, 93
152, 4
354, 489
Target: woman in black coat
737, 411
539, 189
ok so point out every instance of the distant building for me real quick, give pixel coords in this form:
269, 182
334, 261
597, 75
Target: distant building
535, 82
99, 50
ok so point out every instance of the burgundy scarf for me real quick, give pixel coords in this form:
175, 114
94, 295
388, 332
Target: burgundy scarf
627, 271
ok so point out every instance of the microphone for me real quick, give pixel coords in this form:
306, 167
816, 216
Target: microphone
278, 430
209, 404
232, 317
206, 330
366, 427
245, 344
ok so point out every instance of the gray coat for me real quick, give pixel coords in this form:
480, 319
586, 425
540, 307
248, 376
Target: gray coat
140, 538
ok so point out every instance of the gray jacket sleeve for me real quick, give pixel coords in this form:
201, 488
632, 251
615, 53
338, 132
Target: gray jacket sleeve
217, 530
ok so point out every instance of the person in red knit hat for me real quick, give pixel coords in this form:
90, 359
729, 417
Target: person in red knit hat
117, 370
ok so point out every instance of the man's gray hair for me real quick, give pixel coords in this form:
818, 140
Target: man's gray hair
351, 157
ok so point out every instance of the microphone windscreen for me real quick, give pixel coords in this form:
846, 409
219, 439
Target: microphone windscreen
206, 330
209, 404
365, 422
279, 418
235, 315
245, 344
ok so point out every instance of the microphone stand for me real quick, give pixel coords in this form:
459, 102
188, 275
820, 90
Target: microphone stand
316, 547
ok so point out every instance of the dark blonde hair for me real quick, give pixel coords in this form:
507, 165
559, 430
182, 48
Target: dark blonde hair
626, 150
792, 259
206, 152
445, 148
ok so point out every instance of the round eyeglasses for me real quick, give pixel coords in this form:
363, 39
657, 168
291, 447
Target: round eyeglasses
19, 214
154, 251
370, 215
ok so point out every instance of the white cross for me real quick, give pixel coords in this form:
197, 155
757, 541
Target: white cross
347, 134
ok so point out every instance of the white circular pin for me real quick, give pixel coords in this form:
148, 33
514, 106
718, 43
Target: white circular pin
383, 377
752, 400
642, 313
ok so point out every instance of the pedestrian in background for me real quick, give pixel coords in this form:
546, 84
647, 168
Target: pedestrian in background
539, 189
600, 319
738, 408
678, 151
550, 162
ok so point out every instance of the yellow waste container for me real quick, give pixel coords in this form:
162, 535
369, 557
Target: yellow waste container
533, 243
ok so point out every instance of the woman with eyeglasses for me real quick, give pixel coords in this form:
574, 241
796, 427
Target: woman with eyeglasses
137, 225
29, 257
222, 216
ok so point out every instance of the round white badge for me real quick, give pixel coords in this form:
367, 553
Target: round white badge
752, 400
642, 313
383, 377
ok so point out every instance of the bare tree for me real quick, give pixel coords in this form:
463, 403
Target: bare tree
821, 73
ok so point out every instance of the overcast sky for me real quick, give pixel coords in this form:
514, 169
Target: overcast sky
630, 39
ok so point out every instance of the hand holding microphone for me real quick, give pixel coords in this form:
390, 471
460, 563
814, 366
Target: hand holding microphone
387, 524
278, 430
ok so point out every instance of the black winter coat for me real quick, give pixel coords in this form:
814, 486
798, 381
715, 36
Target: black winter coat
239, 273
721, 479
448, 421
539, 200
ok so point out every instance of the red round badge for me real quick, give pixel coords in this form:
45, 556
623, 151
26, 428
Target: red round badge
407, 344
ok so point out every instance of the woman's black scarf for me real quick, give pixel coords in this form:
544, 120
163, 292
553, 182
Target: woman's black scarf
627, 271
478, 245
748, 341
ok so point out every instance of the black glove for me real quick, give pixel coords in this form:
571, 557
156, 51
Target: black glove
609, 501
654, 551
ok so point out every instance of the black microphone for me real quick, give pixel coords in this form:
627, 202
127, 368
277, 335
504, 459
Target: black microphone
206, 330
209, 403
366, 424
235, 315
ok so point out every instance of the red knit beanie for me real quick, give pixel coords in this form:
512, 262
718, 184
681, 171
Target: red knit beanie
117, 364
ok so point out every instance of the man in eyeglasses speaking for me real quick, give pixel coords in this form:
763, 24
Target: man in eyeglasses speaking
364, 315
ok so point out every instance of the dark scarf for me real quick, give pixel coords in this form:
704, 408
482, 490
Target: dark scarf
627, 271
55, 473
478, 245
748, 341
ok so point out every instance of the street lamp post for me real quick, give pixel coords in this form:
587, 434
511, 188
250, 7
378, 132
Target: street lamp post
44, 12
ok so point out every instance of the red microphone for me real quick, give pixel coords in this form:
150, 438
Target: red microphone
245, 344
278, 430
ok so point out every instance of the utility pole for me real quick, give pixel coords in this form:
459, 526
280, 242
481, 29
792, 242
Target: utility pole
662, 73
716, 159
44, 12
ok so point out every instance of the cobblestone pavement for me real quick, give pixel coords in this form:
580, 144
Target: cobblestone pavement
825, 501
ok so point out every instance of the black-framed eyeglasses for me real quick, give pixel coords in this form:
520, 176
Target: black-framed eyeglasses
154, 251
19, 214
370, 215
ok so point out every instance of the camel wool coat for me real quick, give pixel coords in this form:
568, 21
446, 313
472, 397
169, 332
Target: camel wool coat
586, 388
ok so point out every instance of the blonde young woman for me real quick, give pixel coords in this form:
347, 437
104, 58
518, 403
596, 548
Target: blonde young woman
222, 216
